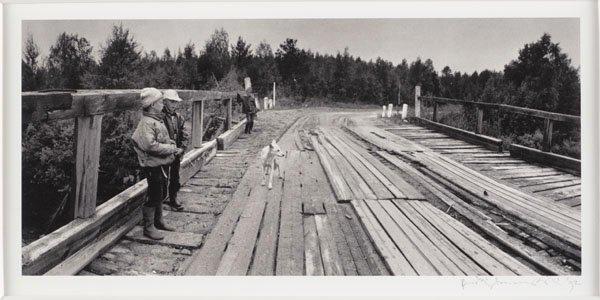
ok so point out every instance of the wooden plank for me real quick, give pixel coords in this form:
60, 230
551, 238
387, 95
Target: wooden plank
409, 191
502, 257
360, 189
342, 191
197, 123
462, 261
395, 261
312, 251
492, 161
493, 144
206, 260
477, 254
358, 260
290, 250
76, 262
549, 187
417, 260
329, 254
569, 164
46, 252
528, 208
564, 192
87, 162
357, 158
374, 183
436, 258
546, 180
367, 248
236, 259
266, 245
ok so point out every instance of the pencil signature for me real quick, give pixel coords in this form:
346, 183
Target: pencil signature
496, 282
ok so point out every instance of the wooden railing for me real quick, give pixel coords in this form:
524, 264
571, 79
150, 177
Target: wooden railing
87, 108
548, 117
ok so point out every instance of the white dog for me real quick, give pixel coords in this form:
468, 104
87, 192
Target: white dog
269, 156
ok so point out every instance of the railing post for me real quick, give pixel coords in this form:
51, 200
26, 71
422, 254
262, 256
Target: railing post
87, 161
435, 107
417, 101
197, 123
547, 144
229, 113
479, 128
499, 122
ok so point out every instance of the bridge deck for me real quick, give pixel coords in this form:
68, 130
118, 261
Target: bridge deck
359, 196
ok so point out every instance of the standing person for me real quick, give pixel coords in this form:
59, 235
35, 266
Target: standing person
174, 123
249, 109
155, 151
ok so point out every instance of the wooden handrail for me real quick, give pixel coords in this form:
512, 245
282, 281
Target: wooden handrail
549, 117
520, 110
87, 108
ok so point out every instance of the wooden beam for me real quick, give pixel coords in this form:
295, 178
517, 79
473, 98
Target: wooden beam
229, 112
418, 101
227, 138
547, 142
516, 109
565, 163
197, 123
87, 161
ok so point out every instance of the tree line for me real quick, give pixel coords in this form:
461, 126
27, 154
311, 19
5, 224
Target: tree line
541, 77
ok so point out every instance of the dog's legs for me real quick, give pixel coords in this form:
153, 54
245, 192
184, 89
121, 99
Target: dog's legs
271, 171
276, 165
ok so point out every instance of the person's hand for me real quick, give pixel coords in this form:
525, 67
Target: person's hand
172, 142
179, 152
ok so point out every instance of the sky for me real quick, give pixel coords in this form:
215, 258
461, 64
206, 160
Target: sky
465, 45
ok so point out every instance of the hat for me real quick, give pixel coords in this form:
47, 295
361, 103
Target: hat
149, 96
172, 95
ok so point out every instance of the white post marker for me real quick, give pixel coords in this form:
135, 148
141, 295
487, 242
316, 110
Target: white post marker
247, 84
404, 111
390, 109
265, 103
383, 112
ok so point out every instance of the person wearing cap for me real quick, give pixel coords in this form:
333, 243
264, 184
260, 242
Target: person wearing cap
155, 151
174, 123
249, 109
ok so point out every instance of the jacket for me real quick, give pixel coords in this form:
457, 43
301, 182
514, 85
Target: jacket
151, 142
248, 105
175, 126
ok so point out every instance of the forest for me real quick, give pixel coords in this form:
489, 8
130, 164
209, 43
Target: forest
540, 76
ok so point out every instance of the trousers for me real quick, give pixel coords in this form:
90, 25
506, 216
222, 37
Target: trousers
157, 178
249, 122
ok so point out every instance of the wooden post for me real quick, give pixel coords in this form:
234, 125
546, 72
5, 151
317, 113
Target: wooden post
197, 123
418, 101
435, 106
87, 160
479, 128
499, 122
229, 114
547, 145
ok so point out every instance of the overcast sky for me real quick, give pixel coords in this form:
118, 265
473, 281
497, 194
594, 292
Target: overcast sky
465, 45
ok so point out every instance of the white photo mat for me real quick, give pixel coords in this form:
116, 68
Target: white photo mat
17, 285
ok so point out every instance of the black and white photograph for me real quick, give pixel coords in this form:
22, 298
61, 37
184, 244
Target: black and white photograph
282, 146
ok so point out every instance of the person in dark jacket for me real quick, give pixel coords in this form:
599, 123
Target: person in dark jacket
249, 109
175, 126
155, 151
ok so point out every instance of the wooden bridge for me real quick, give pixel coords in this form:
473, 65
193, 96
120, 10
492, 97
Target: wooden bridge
359, 195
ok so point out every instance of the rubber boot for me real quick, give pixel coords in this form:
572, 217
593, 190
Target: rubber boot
175, 205
149, 229
159, 223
